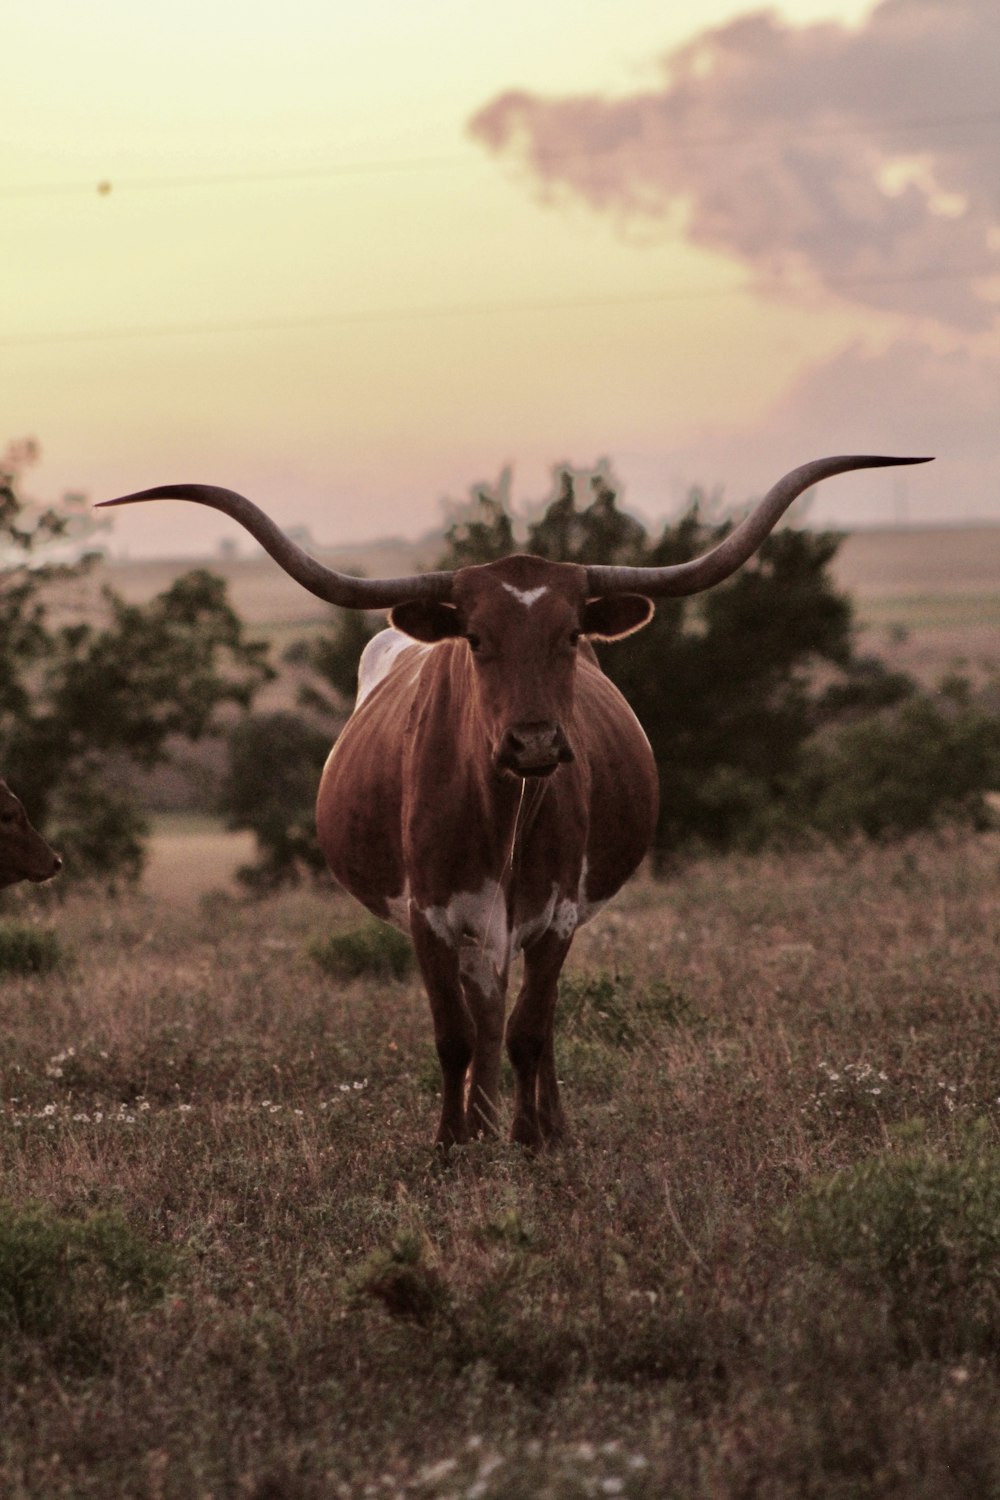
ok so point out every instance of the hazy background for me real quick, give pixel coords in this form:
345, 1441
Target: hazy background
350, 259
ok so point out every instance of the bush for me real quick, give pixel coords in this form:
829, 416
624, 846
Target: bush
274, 766
62, 1280
27, 950
927, 762
377, 950
921, 1230
611, 1008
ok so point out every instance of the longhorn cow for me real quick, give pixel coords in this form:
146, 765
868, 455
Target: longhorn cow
492, 789
24, 854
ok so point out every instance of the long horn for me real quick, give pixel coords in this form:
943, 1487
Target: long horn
731, 553
325, 583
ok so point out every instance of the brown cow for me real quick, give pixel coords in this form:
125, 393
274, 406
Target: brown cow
492, 789
24, 854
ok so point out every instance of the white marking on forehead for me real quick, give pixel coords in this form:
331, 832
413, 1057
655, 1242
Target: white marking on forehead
527, 597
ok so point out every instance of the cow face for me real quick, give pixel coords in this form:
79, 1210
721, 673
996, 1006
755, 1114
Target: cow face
24, 854
523, 621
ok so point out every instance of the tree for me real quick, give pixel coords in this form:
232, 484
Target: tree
274, 766
78, 702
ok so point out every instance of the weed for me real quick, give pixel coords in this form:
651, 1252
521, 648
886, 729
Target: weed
375, 950
921, 1228
61, 1279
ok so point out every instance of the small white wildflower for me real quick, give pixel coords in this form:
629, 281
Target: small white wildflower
53, 1072
345, 1088
433, 1472
874, 1091
82, 1119
638, 1461
98, 1115
184, 1109
612, 1485
144, 1104
275, 1109
586, 1451
49, 1109
265, 1104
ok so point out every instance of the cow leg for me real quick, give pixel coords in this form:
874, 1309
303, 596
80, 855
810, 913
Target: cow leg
538, 1115
485, 992
454, 1028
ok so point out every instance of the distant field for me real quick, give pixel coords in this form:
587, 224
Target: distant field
191, 856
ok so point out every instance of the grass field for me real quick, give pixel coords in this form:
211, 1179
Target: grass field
768, 1264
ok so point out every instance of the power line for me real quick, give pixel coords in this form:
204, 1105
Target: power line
481, 309
402, 165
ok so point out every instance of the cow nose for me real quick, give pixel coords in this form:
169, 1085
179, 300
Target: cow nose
534, 749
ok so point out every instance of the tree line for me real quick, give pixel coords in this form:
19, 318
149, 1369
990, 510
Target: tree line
767, 723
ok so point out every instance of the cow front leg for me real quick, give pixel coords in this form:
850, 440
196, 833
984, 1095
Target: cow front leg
538, 1115
485, 993
454, 1028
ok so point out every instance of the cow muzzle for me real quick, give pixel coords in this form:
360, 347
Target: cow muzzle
535, 749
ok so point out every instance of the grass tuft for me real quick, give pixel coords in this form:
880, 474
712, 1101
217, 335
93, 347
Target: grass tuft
62, 1280
28, 950
376, 951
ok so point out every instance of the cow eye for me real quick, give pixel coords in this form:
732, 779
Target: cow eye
574, 637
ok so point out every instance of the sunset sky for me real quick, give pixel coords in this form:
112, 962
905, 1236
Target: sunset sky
351, 259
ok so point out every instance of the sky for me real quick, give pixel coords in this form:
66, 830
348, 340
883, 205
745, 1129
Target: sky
351, 260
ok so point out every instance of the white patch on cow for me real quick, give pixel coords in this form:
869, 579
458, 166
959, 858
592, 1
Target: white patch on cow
526, 932
399, 910
478, 916
378, 657
527, 597
564, 920
477, 967
476, 922
586, 909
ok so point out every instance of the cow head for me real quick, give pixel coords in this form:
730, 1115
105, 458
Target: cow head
524, 622
24, 854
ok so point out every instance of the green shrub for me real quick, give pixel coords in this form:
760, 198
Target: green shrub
62, 1280
404, 1278
27, 950
920, 1230
928, 762
376, 950
615, 1009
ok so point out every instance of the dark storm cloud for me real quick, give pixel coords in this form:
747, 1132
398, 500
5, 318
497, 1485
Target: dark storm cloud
868, 157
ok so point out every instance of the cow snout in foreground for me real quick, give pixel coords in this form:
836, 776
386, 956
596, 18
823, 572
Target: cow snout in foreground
492, 788
534, 749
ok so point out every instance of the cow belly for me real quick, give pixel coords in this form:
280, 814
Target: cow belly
358, 824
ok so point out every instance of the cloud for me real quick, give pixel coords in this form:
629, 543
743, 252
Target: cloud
906, 399
860, 158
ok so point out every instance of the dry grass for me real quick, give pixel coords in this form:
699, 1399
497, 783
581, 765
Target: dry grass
643, 1313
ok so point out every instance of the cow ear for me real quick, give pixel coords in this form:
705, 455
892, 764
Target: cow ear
616, 616
426, 620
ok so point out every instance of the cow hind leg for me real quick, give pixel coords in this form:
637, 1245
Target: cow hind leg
485, 994
538, 1114
454, 1027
